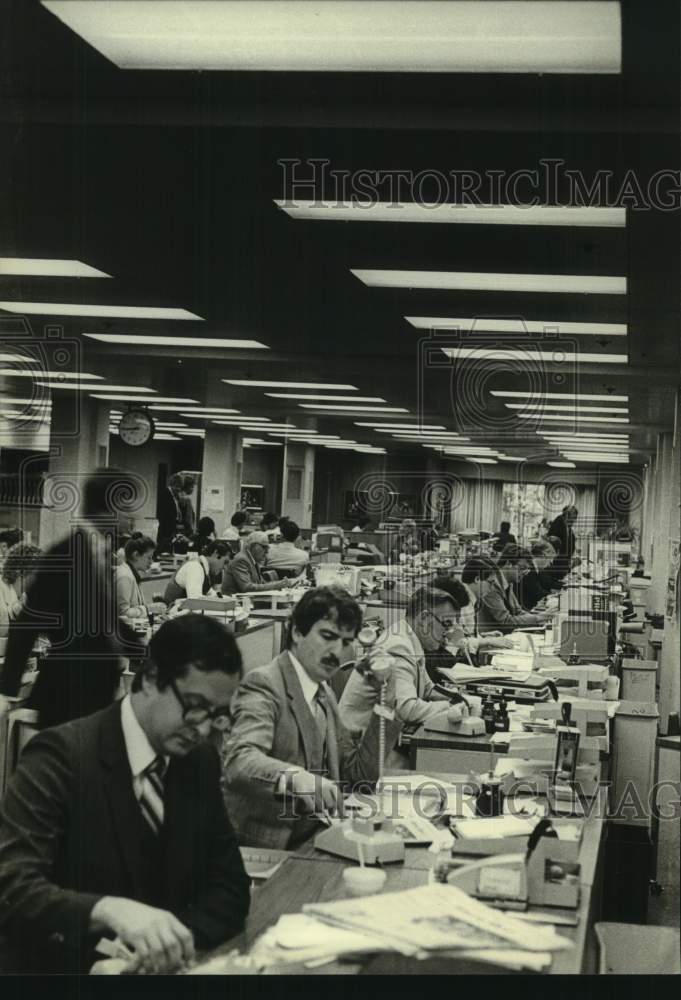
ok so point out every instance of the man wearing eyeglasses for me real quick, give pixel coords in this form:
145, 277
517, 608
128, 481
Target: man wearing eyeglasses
114, 826
431, 617
244, 573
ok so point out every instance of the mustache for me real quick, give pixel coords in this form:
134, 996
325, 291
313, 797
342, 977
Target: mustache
331, 661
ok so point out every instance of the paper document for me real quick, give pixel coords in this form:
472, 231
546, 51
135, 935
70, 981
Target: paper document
495, 826
435, 917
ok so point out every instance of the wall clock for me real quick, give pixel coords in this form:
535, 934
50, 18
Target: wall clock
136, 427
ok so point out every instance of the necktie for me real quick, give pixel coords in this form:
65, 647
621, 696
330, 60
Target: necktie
319, 711
151, 799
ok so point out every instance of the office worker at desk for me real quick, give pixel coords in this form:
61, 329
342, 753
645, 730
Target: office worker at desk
288, 752
431, 616
195, 577
518, 566
114, 825
139, 554
244, 573
71, 601
496, 609
286, 555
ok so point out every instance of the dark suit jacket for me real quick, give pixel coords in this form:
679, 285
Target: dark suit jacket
72, 600
561, 529
531, 590
169, 518
71, 832
242, 575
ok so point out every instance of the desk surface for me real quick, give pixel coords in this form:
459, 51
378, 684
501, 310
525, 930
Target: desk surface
312, 876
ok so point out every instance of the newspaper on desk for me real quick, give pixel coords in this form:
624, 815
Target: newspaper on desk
413, 922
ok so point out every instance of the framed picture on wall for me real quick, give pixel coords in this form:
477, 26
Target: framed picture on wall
252, 496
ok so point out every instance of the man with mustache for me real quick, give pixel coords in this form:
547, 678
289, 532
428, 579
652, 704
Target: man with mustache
288, 757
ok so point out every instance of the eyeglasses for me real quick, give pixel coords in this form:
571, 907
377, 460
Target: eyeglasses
446, 623
195, 715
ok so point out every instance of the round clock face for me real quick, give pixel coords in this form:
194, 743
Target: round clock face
136, 427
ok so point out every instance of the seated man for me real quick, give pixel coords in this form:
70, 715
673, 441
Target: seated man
113, 825
288, 754
243, 574
496, 608
519, 570
543, 554
467, 646
238, 522
286, 555
431, 615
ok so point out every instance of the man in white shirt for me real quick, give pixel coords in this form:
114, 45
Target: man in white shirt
431, 615
114, 825
285, 555
288, 757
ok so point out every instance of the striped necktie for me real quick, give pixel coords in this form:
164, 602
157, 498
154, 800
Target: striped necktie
151, 798
319, 704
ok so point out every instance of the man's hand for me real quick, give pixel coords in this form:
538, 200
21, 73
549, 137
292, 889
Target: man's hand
455, 713
316, 793
160, 942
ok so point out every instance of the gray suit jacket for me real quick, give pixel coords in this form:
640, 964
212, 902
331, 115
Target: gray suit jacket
243, 574
500, 611
273, 731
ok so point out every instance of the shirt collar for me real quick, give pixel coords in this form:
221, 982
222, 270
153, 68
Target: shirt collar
309, 686
138, 748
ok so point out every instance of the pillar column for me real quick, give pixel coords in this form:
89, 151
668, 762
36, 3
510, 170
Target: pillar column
79, 443
298, 483
221, 474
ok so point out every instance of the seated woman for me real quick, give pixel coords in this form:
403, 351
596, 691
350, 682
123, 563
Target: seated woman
130, 603
195, 577
16, 576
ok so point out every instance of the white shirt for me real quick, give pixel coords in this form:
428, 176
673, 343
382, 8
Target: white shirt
231, 534
138, 748
309, 686
285, 555
191, 575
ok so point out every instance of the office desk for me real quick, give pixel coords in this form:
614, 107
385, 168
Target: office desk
312, 877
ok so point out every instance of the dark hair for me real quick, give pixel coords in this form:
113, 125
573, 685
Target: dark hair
427, 598
11, 536
109, 491
289, 530
454, 588
20, 558
217, 548
269, 518
138, 546
476, 567
512, 554
206, 526
505, 526
189, 641
544, 548
239, 518
325, 602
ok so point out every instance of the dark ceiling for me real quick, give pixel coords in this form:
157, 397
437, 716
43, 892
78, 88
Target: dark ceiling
167, 181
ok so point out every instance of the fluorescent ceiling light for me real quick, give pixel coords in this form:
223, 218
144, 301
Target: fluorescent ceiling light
400, 427
468, 214
197, 411
483, 461
166, 437
20, 415
86, 387
25, 401
562, 465
271, 444
587, 397
192, 432
303, 436
256, 383
362, 409
230, 421
481, 324
51, 377
351, 36
531, 354
329, 399
555, 435
167, 424
110, 312
488, 281
575, 407
594, 457
512, 458
152, 341
49, 268
574, 416
139, 398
